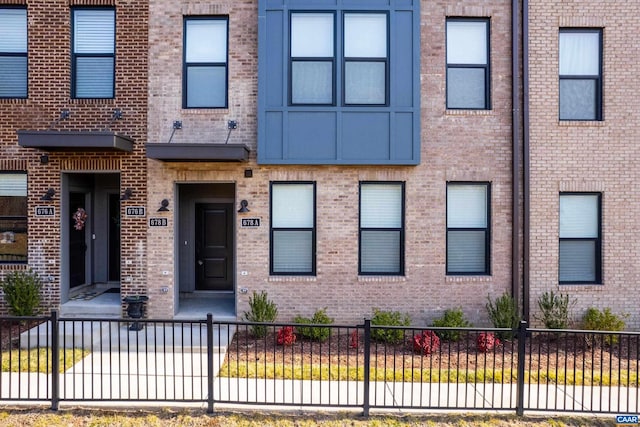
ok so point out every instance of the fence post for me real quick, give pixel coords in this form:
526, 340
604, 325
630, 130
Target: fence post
367, 366
55, 361
210, 363
522, 336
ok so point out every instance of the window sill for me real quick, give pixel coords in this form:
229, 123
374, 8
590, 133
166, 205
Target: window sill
204, 111
379, 279
14, 100
92, 101
581, 287
582, 123
468, 279
292, 279
469, 113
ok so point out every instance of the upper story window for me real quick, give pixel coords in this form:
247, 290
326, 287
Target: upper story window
580, 74
580, 238
93, 53
13, 52
205, 62
293, 228
381, 228
13, 217
361, 55
468, 76
468, 233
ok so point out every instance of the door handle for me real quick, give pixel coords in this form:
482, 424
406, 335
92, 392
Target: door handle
200, 262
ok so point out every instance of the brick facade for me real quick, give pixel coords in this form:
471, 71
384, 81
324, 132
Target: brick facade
590, 156
49, 92
456, 146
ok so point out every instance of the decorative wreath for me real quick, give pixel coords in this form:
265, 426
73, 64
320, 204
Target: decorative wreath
80, 217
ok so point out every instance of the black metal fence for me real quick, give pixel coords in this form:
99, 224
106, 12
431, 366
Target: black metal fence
358, 366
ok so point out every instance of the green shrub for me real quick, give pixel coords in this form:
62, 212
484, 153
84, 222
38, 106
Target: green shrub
596, 320
261, 309
503, 314
452, 318
22, 292
555, 310
389, 318
320, 317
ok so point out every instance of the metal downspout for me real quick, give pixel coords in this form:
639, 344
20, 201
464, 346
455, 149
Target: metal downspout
515, 149
525, 159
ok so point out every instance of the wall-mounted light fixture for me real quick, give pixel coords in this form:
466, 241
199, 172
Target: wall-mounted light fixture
177, 124
127, 194
163, 206
44, 159
49, 194
248, 173
243, 206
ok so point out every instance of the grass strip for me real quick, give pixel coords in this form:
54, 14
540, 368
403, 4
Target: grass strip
39, 360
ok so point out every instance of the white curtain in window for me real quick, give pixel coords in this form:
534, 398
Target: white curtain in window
381, 206
466, 42
206, 40
365, 35
13, 30
578, 216
466, 206
292, 206
94, 31
13, 184
312, 35
579, 53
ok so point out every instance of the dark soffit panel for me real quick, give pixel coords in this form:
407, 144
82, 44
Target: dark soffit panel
200, 152
53, 140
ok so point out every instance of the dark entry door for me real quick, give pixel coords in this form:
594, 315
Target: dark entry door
77, 242
214, 246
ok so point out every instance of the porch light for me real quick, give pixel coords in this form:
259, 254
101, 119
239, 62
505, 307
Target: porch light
163, 206
48, 195
127, 194
243, 206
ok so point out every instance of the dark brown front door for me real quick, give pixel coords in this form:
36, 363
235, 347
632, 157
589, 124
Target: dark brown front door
214, 246
77, 242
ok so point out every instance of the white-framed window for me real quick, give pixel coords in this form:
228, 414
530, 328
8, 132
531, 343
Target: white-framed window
468, 71
360, 58
580, 74
93, 53
293, 228
205, 62
13, 217
468, 228
13, 52
580, 259
381, 237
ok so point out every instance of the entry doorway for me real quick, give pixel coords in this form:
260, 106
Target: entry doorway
90, 234
214, 246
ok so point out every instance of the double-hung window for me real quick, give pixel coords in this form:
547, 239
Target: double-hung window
580, 74
293, 228
93, 59
13, 52
13, 217
468, 222
357, 66
381, 240
205, 62
468, 75
580, 238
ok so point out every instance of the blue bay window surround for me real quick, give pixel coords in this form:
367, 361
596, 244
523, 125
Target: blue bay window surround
338, 82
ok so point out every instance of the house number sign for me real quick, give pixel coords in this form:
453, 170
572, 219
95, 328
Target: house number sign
135, 211
250, 222
158, 222
45, 211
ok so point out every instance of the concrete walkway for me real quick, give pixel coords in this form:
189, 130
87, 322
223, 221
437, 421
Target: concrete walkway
169, 363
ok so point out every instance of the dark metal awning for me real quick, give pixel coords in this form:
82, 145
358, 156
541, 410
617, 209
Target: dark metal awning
200, 152
54, 140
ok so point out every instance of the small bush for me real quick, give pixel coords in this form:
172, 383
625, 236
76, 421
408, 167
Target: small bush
596, 320
261, 309
487, 341
22, 292
555, 310
503, 314
452, 318
389, 318
286, 336
426, 342
320, 317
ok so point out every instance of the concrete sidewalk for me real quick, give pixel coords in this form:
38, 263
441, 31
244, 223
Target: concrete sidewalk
169, 363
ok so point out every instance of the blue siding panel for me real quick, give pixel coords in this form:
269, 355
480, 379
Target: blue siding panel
365, 136
312, 135
402, 66
402, 137
272, 145
275, 60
